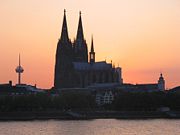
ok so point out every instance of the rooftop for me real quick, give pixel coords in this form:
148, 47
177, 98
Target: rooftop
102, 65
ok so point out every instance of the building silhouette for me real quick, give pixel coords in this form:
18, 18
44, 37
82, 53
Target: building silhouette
158, 86
73, 68
161, 83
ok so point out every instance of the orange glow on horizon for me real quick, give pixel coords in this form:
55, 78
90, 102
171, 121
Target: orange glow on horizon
142, 36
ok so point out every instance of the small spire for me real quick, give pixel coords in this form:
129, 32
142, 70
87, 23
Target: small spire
80, 13
64, 11
92, 44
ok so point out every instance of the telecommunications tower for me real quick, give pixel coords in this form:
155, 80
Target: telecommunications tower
19, 70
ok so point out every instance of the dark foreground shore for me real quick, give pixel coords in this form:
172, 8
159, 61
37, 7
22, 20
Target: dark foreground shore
83, 115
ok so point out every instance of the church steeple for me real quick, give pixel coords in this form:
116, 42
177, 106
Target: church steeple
80, 34
80, 45
64, 56
92, 53
64, 32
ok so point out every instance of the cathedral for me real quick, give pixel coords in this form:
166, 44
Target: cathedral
74, 68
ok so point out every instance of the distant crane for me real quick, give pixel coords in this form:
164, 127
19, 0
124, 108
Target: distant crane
19, 70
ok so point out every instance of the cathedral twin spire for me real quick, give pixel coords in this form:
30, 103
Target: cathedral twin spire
64, 32
79, 47
80, 34
67, 53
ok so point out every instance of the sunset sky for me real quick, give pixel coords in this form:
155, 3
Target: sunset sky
142, 36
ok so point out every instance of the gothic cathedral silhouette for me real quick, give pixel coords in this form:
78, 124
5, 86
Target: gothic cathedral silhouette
72, 67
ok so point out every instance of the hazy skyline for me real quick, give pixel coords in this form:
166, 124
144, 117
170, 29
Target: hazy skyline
142, 36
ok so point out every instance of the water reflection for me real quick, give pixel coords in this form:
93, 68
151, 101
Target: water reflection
92, 127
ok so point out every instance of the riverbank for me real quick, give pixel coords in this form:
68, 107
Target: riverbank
85, 115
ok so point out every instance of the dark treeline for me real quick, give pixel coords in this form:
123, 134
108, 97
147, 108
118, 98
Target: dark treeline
124, 101
144, 101
45, 102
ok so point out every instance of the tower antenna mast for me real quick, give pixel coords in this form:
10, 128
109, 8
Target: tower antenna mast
19, 70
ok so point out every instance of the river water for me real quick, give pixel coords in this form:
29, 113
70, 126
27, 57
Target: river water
91, 127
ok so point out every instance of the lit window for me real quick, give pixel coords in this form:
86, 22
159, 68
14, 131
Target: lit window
92, 56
